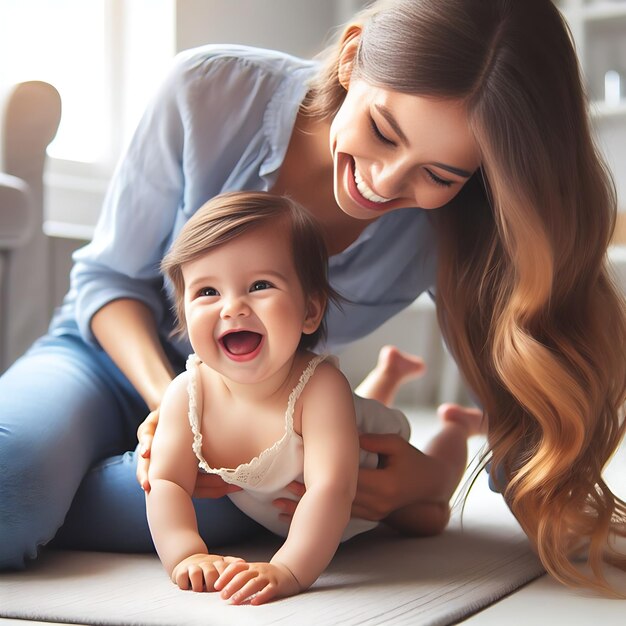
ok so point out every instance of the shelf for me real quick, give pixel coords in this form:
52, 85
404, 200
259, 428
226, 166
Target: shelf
598, 28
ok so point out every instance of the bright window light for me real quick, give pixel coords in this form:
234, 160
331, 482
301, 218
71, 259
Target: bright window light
61, 42
105, 57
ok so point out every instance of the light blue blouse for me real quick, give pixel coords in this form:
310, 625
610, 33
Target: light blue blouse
221, 122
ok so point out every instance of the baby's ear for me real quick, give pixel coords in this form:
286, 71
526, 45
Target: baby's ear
314, 314
349, 46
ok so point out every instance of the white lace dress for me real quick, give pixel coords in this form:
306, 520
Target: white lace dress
265, 477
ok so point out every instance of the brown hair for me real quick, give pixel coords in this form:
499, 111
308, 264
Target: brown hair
229, 215
524, 296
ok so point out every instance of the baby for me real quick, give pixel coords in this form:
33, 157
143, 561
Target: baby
256, 406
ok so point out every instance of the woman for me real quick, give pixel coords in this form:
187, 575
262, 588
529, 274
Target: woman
474, 109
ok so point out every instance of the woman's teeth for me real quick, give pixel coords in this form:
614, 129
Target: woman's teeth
365, 191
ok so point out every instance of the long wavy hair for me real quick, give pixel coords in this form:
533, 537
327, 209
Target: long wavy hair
525, 300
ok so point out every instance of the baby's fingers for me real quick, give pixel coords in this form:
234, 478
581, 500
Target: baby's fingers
191, 577
242, 586
224, 562
227, 574
197, 577
264, 594
258, 590
181, 579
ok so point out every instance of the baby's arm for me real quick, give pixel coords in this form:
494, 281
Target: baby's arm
171, 516
331, 463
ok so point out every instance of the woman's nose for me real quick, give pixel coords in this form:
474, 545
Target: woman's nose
389, 179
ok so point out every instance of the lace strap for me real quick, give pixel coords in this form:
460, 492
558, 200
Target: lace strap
194, 419
297, 390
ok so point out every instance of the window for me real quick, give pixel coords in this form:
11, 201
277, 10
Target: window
104, 56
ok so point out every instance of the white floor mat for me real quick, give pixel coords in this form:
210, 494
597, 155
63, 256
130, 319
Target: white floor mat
377, 578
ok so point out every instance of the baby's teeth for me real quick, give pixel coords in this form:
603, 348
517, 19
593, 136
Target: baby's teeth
365, 191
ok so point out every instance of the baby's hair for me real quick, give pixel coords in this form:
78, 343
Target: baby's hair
228, 216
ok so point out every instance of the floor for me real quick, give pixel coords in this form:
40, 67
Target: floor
542, 601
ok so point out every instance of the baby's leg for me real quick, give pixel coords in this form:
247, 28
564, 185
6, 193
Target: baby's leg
446, 452
449, 445
446, 458
392, 370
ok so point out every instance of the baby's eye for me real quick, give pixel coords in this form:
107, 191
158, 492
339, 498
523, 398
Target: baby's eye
207, 292
259, 285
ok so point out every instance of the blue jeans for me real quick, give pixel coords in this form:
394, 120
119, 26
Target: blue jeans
68, 418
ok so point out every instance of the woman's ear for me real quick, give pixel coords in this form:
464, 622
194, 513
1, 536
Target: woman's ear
314, 314
349, 47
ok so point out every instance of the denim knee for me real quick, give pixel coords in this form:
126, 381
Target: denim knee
28, 518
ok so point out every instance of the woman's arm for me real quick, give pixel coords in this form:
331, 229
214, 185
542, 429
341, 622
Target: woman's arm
126, 330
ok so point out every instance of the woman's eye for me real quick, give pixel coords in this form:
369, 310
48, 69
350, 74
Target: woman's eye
207, 292
260, 285
438, 181
378, 134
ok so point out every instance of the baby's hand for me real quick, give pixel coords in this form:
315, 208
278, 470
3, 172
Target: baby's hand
264, 581
199, 572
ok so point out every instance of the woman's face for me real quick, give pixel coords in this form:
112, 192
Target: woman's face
393, 150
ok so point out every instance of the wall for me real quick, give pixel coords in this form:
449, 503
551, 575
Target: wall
300, 27
296, 26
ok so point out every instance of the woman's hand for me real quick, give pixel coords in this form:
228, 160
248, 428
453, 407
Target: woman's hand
212, 486
404, 476
145, 435
207, 485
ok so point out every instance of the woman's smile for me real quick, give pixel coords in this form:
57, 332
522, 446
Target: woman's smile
365, 191
361, 193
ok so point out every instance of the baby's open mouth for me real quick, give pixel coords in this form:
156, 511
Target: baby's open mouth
241, 342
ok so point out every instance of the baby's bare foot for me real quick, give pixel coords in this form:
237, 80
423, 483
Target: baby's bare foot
393, 369
398, 365
472, 420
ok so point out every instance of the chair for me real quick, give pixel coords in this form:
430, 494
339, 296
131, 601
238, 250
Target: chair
30, 113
